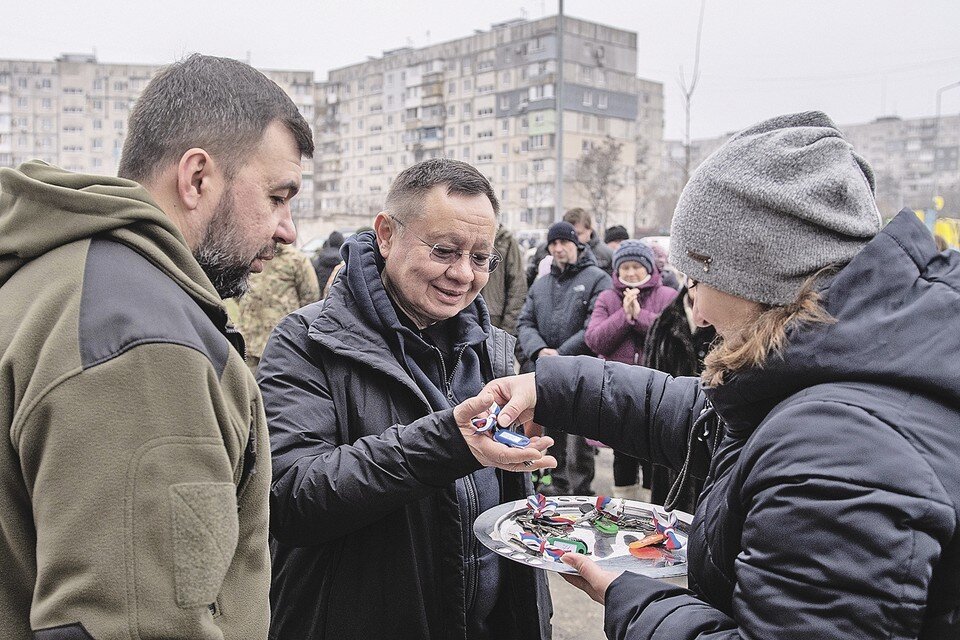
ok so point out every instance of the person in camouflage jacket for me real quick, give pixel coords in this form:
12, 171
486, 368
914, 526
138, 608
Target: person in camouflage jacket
287, 283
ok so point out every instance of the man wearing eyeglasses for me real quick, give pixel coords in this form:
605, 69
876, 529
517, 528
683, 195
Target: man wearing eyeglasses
378, 475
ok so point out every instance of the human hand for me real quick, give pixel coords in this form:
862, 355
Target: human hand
518, 397
547, 352
631, 307
491, 453
590, 578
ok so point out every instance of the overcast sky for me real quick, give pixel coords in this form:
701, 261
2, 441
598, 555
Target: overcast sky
856, 59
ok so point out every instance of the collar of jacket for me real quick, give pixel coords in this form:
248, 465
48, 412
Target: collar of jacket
359, 321
884, 303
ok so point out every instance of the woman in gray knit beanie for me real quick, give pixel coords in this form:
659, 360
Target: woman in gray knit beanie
825, 427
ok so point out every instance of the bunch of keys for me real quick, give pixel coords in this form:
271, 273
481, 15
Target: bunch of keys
503, 436
544, 528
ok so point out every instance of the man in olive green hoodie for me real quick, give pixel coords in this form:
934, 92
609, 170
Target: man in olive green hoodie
135, 475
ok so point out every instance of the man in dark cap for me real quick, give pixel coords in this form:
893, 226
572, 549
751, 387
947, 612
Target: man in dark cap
552, 322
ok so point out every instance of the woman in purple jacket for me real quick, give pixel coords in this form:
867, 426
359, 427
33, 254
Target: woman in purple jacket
618, 328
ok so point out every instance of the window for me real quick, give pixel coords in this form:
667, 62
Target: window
98, 105
504, 172
466, 153
537, 166
467, 84
466, 129
504, 149
540, 141
602, 101
504, 103
118, 125
97, 144
452, 87
541, 91
505, 126
451, 131
451, 111
588, 98
46, 103
485, 134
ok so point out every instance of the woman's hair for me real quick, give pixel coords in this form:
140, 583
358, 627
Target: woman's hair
766, 336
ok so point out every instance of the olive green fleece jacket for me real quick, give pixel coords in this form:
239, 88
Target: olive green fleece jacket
135, 471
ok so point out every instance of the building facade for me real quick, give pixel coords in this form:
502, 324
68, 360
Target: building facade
72, 112
489, 99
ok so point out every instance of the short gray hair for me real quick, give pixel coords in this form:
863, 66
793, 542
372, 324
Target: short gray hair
412, 184
220, 105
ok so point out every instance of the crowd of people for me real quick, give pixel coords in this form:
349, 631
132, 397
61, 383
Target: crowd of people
317, 474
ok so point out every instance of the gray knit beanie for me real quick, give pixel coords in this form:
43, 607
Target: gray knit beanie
775, 204
636, 251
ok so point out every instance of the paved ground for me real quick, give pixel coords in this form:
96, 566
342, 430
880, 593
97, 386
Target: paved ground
575, 615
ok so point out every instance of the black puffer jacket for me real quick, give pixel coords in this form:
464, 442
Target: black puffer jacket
368, 534
832, 504
559, 306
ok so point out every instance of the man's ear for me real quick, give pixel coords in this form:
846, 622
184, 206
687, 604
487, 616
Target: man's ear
386, 231
194, 184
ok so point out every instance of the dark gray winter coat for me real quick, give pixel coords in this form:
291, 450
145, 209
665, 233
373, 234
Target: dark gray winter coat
832, 501
369, 538
559, 306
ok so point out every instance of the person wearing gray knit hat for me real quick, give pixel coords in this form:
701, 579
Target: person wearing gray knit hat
777, 203
825, 420
634, 250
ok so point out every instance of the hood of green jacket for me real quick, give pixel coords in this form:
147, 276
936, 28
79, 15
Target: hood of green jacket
43, 207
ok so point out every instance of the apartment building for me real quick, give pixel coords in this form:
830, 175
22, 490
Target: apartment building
72, 112
488, 99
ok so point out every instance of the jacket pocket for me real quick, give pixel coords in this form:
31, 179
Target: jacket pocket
205, 533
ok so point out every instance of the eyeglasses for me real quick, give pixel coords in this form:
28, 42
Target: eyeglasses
481, 262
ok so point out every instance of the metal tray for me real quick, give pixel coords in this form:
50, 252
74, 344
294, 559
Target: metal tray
497, 529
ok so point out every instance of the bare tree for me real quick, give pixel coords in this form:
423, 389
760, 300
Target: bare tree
599, 177
688, 94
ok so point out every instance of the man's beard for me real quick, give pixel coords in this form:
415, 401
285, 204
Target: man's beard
221, 251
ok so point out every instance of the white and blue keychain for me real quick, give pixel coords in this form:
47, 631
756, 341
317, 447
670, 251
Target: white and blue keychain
503, 436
